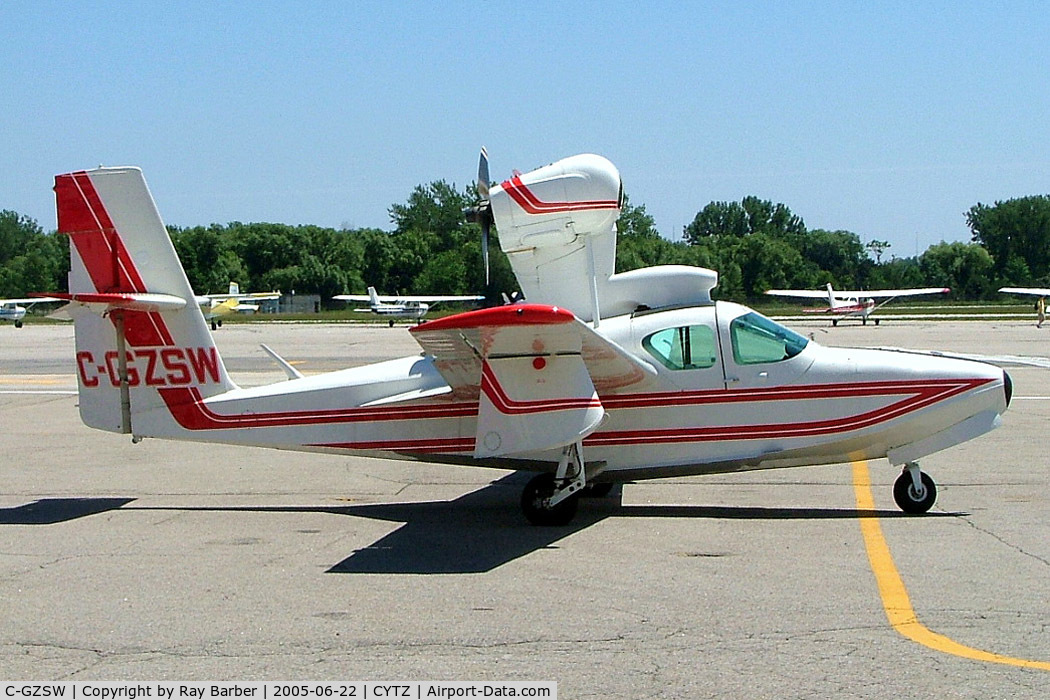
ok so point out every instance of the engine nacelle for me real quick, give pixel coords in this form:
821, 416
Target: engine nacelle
554, 205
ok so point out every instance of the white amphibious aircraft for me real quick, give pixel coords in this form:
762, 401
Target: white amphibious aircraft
853, 303
400, 306
600, 378
216, 306
15, 309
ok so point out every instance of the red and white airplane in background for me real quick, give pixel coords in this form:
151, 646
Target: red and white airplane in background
601, 378
401, 306
853, 303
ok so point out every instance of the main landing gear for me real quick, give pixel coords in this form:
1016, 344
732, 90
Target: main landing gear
914, 490
552, 499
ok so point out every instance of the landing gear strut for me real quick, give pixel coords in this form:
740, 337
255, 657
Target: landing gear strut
552, 499
914, 490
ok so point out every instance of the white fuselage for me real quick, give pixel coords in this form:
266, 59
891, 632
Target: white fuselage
12, 312
406, 310
727, 399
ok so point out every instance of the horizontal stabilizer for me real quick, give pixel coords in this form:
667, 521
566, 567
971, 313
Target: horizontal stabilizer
101, 302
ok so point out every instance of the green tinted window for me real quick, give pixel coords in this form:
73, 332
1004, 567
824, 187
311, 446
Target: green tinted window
758, 340
686, 347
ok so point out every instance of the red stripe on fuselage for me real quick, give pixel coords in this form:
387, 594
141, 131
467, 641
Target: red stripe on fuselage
192, 413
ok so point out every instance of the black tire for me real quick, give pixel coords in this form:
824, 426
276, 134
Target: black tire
18, 324
904, 493
213, 326
877, 322
540, 488
834, 322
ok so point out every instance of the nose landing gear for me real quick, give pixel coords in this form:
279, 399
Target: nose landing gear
914, 490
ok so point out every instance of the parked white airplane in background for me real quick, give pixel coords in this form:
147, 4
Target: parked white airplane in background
853, 303
15, 309
601, 378
401, 306
216, 306
1041, 292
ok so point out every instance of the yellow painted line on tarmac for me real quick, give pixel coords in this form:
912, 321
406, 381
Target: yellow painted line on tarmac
895, 598
36, 379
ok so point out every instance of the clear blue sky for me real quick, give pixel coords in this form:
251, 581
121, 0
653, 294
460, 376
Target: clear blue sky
886, 119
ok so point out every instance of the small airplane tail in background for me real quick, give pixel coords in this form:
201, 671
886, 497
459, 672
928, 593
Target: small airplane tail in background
831, 296
373, 297
142, 344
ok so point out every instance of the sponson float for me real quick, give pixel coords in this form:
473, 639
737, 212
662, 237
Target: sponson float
599, 378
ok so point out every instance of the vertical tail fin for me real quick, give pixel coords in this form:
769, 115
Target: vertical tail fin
831, 296
142, 345
373, 297
234, 288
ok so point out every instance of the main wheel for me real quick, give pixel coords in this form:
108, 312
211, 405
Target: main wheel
539, 489
908, 500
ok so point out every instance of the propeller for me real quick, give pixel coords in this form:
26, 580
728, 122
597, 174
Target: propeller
481, 213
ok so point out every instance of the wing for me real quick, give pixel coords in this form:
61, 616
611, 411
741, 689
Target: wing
803, 293
29, 301
431, 300
892, 293
1029, 291
538, 373
351, 297
257, 296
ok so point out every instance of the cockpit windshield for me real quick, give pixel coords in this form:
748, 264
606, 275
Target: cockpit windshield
757, 340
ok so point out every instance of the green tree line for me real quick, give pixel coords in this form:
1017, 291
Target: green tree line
754, 244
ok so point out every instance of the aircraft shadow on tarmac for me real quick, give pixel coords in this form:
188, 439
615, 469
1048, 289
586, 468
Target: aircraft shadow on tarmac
474, 533
51, 511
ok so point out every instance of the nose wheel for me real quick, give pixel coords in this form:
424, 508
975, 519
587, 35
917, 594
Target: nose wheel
914, 490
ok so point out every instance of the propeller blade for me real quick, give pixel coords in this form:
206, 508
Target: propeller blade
483, 175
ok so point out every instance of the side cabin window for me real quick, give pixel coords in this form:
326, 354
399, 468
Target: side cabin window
685, 347
757, 340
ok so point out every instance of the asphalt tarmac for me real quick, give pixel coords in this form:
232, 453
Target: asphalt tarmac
181, 561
